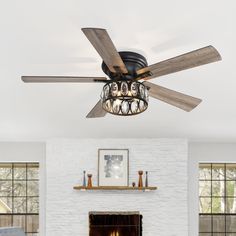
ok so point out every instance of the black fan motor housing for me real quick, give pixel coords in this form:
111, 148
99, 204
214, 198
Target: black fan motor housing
133, 62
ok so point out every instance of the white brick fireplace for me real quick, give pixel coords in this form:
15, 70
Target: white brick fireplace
164, 211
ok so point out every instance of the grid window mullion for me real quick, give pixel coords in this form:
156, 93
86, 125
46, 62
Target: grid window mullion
26, 197
20, 195
12, 204
211, 204
225, 196
221, 196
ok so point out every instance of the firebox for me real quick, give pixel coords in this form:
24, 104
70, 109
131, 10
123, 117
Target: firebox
115, 223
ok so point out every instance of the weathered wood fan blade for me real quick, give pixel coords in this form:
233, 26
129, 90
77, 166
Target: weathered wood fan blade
103, 44
180, 100
97, 111
189, 60
62, 79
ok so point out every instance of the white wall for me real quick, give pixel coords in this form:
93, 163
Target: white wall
164, 211
28, 152
198, 152
204, 152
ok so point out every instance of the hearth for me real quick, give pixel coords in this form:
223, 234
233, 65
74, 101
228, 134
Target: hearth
115, 223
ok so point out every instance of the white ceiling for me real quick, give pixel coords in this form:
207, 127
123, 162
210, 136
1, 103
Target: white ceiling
44, 38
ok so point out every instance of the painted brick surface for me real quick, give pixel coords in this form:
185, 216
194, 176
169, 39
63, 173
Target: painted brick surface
164, 211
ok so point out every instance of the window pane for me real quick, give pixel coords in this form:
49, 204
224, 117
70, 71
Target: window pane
205, 205
19, 171
18, 181
231, 171
19, 205
5, 171
218, 171
218, 188
33, 188
19, 221
205, 171
231, 188
33, 223
33, 171
217, 199
33, 205
6, 188
205, 188
205, 223
6, 205
5, 220
231, 205
231, 224
218, 224
218, 205
19, 188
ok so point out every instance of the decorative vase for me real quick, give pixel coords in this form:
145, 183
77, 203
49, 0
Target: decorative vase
146, 180
133, 184
140, 181
89, 181
84, 178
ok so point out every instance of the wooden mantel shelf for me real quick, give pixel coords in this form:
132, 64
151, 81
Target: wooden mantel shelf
82, 188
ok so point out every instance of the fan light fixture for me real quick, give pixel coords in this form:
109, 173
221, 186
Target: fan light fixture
123, 93
124, 97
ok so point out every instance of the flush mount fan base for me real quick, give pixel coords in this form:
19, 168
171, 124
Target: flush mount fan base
133, 62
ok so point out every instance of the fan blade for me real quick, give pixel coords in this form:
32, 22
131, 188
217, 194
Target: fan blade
97, 111
103, 44
180, 100
62, 79
189, 60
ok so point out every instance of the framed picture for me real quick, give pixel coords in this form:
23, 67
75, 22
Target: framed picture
113, 167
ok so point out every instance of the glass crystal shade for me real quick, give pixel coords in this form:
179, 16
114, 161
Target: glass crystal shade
124, 97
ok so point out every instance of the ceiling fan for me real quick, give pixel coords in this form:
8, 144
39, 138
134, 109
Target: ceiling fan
127, 90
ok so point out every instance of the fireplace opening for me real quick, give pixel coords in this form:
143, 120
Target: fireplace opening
115, 223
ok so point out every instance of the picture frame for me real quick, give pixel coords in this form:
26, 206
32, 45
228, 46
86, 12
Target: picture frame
113, 167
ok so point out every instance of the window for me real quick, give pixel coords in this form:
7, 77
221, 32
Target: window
19, 196
217, 199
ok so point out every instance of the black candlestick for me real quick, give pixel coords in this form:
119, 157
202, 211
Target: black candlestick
146, 180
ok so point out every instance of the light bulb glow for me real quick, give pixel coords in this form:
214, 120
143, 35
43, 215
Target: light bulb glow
124, 97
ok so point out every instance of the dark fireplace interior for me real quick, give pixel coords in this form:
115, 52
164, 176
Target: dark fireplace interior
115, 224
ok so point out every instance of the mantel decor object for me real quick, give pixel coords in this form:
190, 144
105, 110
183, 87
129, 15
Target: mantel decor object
146, 180
140, 181
90, 185
84, 178
113, 167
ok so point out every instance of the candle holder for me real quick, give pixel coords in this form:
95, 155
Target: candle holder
140, 181
84, 178
146, 180
90, 185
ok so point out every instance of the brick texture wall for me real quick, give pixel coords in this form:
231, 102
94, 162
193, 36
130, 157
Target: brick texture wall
164, 211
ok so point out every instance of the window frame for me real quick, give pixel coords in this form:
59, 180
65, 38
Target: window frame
13, 179
212, 215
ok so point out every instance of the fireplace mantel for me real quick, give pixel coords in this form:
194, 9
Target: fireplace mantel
109, 188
